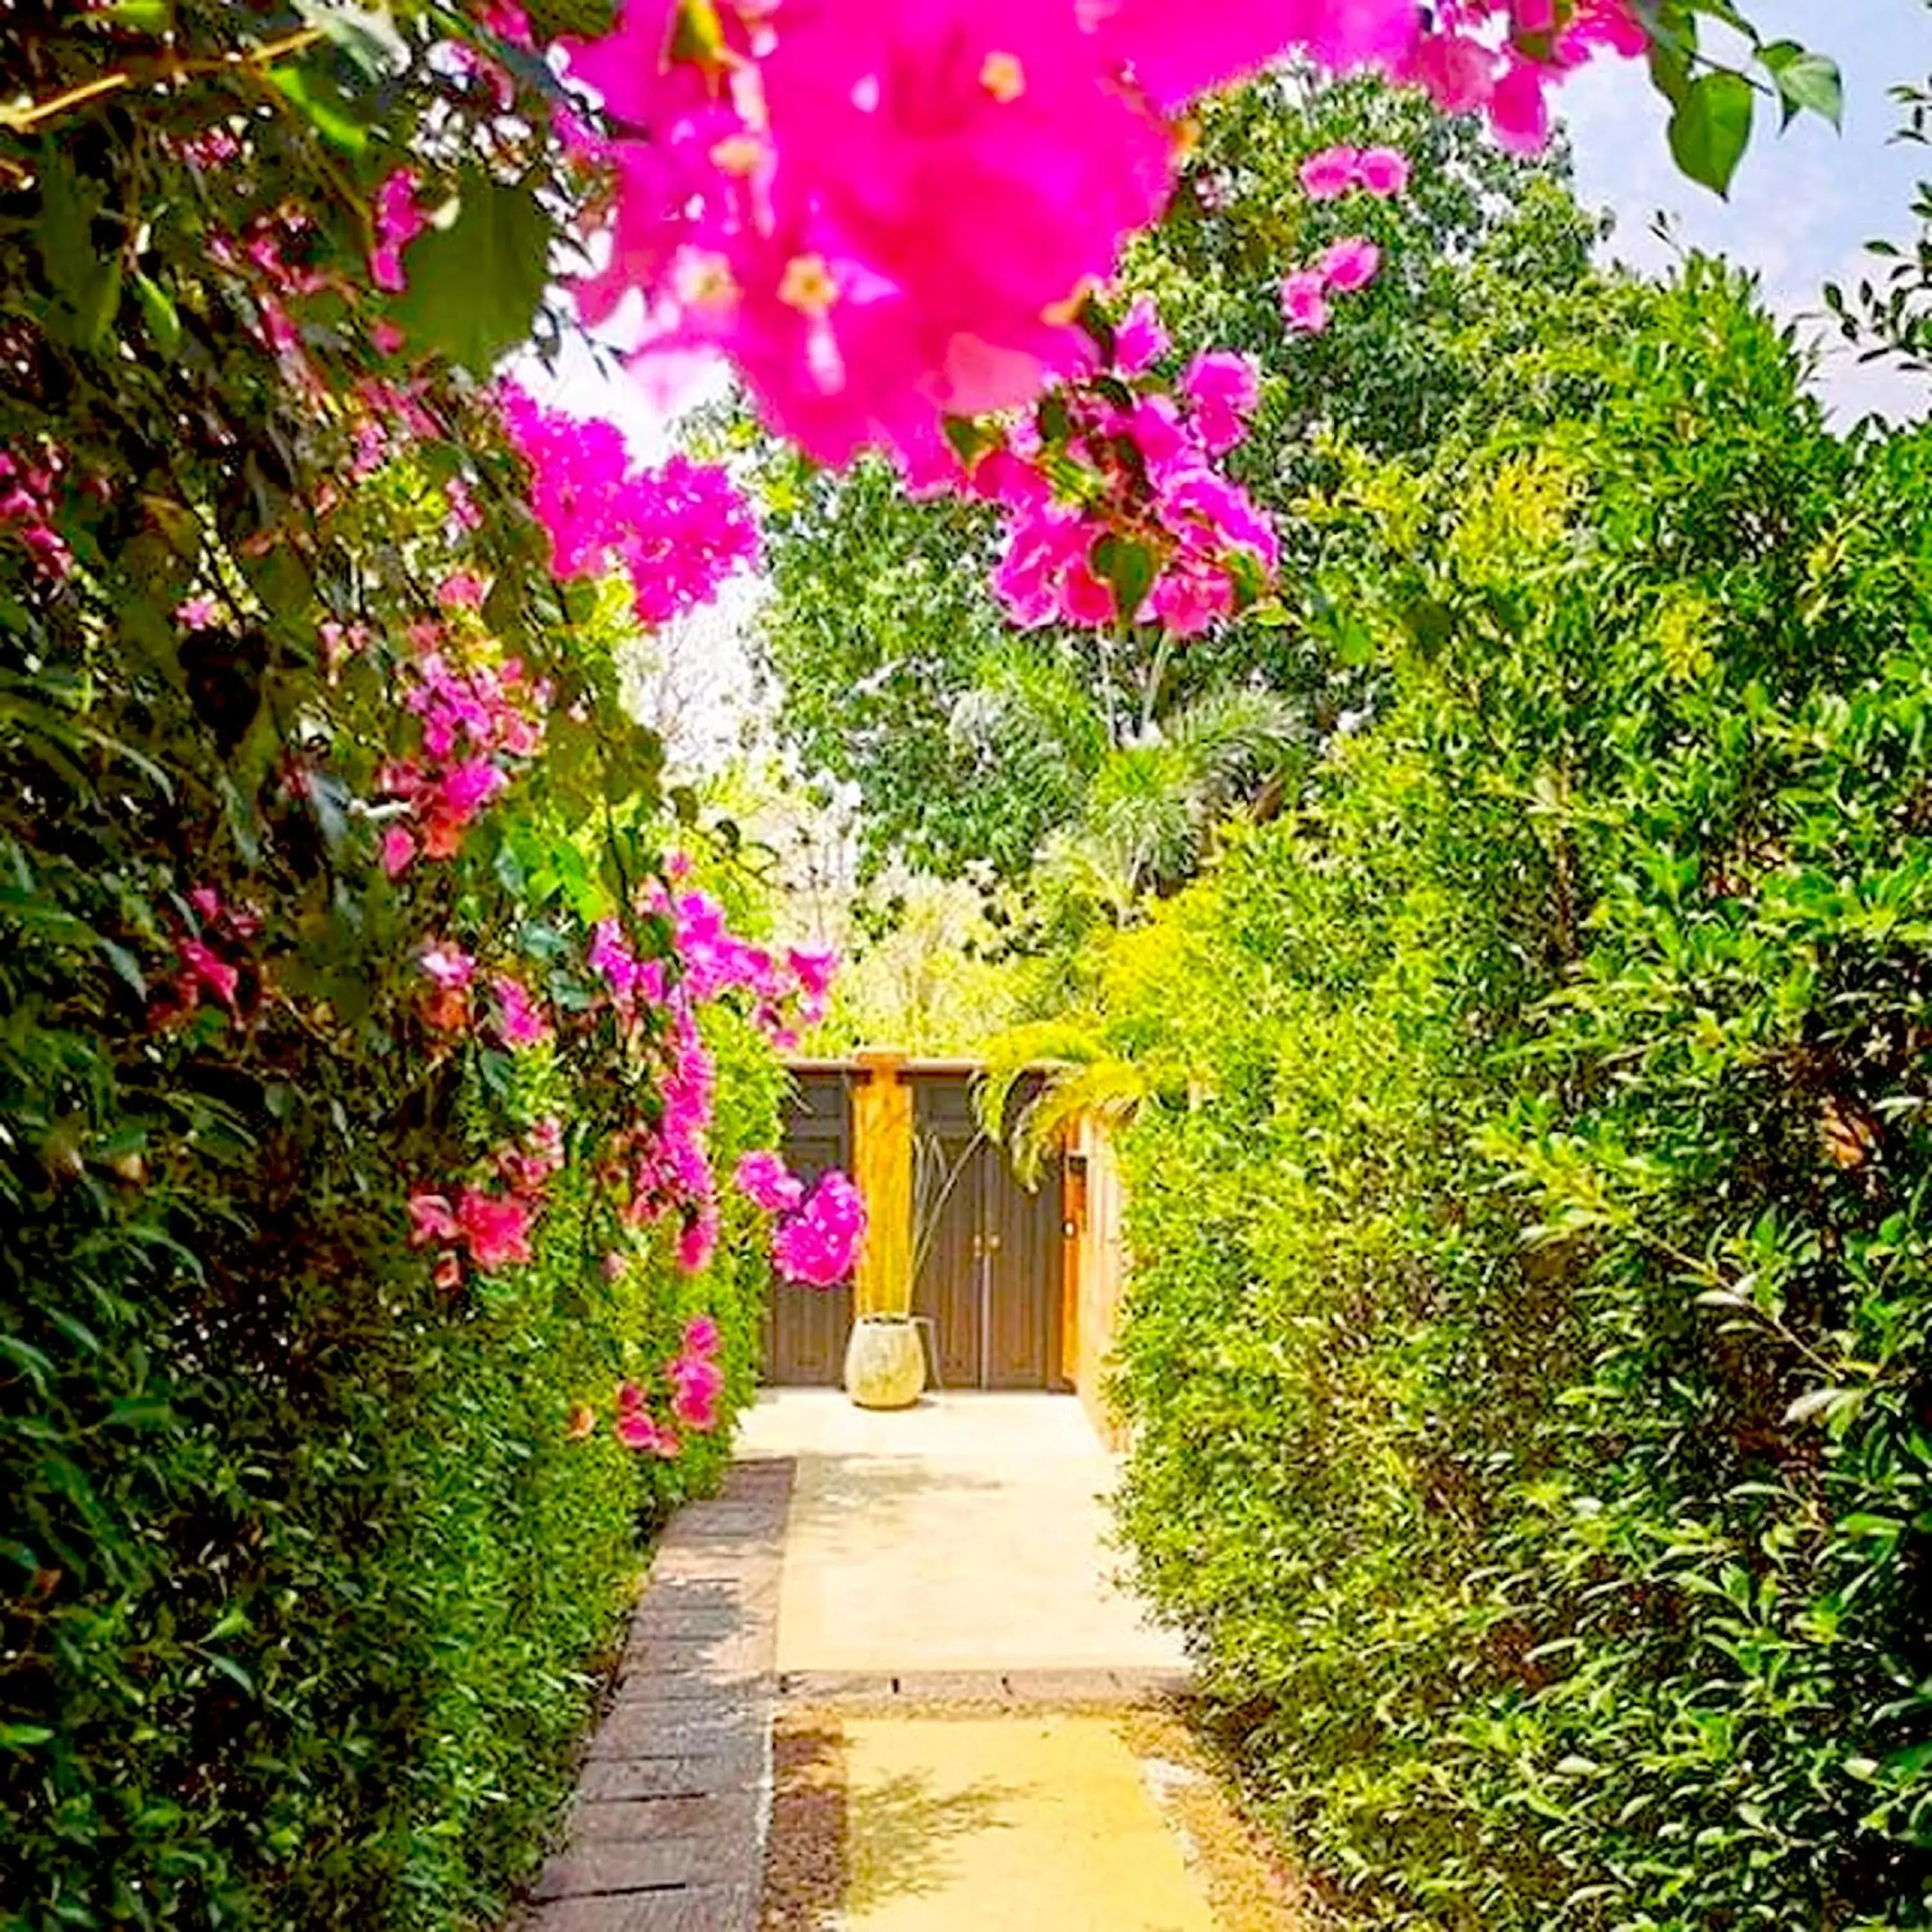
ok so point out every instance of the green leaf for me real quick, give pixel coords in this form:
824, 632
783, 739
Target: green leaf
1129, 568
970, 438
23, 1737
1711, 127
326, 107
86, 288
163, 319
474, 285
367, 35
1430, 623
1806, 83
231, 1669
135, 16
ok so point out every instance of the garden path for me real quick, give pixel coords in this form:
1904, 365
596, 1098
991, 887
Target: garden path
967, 1534
884, 1684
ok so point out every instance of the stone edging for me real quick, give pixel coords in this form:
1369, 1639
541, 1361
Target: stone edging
667, 1833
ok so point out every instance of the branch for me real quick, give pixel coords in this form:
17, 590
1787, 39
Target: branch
36, 114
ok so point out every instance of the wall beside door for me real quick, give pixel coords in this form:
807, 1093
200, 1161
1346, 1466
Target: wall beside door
1096, 1269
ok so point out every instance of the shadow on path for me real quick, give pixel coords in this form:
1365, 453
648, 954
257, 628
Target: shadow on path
835, 1850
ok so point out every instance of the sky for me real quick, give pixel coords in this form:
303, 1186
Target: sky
1804, 203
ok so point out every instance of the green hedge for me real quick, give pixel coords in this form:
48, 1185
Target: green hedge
328, 1652
1526, 1351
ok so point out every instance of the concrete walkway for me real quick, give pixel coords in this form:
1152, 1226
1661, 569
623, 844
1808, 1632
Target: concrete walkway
883, 1684
967, 1536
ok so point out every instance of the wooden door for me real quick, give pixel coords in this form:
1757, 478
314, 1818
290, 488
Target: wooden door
947, 1146
990, 1272
806, 1328
1020, 1230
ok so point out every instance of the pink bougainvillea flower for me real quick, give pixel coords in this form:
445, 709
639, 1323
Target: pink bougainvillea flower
461, 590
764, 1180
679, 530
630, 1399
697, 1384
1331, 173
202, 966
1176, 50
518, 1021
449, 965
505, 17
1383, 171
819, 1245
635, 1429
638, 1430
814, 969
1520, 108
1223, 390
701, 1336
399, 851
496, 1228
1303, 305
397, 221
430, 1219
699, 1241
1350, 265
197, 613
462, 793
1139, 339
1613, 24
1457, 71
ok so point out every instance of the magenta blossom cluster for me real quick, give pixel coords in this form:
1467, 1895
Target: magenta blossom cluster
678, 531
764, 1180
1486, 57
886, 213
657, 1168
1332, 172
1094, 476
397, 221
663, 1166
1353, 263
492, 1225
818, 1245
211, 955
816, 1241
475, 716
1341, 269
29, 494
696, 1378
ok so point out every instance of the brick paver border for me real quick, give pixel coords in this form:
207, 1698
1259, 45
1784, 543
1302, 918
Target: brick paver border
667, 1832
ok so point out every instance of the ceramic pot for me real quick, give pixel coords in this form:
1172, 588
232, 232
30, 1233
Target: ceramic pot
885, 1364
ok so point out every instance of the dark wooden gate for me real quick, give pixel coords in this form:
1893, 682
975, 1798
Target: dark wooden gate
992, 1254
991, 1262
806, 1328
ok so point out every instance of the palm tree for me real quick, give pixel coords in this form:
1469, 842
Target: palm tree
1147, 817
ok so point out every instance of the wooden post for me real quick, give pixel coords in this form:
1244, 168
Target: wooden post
882, 1166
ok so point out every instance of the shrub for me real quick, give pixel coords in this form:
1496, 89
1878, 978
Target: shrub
303, 1577
1527, 1346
